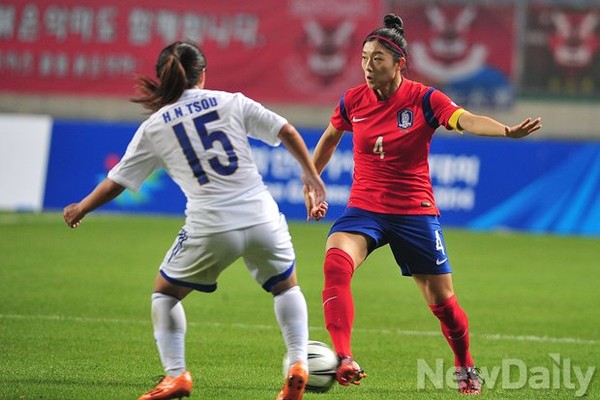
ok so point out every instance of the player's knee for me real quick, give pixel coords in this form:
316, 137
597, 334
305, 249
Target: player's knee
338, 267
451, 314
284, 285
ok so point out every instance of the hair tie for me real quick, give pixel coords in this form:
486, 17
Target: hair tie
394, 45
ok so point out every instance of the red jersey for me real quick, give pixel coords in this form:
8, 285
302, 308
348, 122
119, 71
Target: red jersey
391, 140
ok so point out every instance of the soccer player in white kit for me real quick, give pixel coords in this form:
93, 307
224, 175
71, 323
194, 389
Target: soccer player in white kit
200, 138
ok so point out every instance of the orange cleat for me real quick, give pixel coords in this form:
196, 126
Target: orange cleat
170, 388
295, 383
349, 372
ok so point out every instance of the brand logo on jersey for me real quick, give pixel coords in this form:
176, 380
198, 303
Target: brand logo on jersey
405, 118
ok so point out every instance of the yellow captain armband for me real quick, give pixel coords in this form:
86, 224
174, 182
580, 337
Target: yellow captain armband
453, 122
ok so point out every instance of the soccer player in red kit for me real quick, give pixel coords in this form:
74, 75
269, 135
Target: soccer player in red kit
391, 200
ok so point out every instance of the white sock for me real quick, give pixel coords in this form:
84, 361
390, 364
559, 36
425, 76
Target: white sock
168, 320
292, 316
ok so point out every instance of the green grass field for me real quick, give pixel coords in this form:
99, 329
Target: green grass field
75, 323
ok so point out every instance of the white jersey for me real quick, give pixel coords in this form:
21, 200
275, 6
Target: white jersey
202, 143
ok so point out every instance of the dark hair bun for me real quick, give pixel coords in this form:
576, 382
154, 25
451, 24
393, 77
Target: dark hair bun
186, 54
393, 21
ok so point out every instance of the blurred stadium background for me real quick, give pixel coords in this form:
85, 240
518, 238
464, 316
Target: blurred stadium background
73, 315
66, 71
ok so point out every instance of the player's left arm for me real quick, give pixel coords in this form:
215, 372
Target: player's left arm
106, 191
482, 125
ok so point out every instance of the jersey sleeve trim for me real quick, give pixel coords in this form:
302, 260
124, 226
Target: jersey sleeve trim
453, 121
343, 109
428, 110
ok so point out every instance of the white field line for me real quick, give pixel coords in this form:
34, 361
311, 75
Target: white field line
397, 332
29, 218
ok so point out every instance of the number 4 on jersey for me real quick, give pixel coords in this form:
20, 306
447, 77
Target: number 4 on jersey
378, 148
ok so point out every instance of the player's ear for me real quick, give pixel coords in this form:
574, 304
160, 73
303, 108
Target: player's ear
401, 64
202, 79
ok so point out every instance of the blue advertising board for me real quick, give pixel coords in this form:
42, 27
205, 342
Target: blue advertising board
82, 153
480, 183
531, 185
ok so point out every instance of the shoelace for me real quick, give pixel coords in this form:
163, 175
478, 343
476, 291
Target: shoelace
472, 373
476, 375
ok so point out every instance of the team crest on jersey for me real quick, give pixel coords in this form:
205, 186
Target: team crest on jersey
405, 118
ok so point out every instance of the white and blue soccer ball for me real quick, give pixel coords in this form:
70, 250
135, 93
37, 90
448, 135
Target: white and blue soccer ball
322, 364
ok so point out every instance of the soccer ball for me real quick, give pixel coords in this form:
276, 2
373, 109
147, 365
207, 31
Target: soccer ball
322, 364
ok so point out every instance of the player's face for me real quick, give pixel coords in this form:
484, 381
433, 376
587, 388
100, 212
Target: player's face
378, 65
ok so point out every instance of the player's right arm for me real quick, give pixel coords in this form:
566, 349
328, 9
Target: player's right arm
326, 147
323, 152
106, 191
314, 188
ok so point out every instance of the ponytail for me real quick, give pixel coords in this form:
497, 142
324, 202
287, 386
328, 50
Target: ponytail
178, 68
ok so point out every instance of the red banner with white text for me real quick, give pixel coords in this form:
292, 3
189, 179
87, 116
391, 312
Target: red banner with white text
294, 51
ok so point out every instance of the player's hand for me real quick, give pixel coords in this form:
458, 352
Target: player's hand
320, 211
525, 128
313, 210
314, 198
73, 215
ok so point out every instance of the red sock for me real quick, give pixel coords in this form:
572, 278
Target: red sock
338, 306
455, 327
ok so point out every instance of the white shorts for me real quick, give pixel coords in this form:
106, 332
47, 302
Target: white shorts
197, 261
